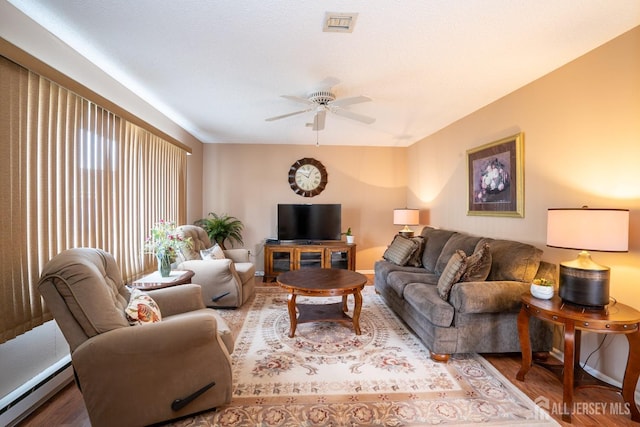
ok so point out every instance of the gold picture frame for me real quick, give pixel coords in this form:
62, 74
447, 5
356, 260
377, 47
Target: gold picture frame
495, 182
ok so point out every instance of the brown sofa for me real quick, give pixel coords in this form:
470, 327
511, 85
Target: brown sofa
478, 315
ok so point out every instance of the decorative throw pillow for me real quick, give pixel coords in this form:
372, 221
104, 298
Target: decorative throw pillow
142, 309
415, 260
452, 273
400, 250
478, 265
214, 252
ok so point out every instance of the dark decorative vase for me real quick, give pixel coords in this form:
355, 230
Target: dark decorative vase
164, 266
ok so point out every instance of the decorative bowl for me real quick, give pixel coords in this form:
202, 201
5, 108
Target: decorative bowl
542, 291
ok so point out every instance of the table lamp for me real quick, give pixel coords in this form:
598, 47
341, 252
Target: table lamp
582, 281
406, 217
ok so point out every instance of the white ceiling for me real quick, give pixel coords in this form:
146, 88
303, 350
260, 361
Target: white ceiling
218, 68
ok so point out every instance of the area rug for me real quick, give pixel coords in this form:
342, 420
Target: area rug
328, 376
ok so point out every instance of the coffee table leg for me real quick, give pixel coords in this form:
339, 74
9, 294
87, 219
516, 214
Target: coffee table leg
356, 311
345, 306
291, 304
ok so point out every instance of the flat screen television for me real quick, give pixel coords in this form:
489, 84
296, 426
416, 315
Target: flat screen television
309, 222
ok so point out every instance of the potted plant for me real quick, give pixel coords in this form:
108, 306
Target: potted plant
542, 288
350, 237
221, 228
164, 243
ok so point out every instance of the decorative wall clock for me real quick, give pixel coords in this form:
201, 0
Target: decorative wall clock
308, 177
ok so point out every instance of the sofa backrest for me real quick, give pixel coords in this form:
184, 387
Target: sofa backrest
457, 241
511, 260
435, 239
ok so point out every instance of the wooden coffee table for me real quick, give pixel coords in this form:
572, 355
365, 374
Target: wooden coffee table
323, 282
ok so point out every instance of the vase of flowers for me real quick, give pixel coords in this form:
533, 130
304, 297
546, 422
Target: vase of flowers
164, 242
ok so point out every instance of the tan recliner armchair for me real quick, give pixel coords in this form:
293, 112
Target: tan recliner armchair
225, 283
143, 374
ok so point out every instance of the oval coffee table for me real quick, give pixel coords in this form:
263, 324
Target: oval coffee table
323, 282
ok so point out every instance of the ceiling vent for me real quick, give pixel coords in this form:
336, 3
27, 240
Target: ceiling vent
335, 22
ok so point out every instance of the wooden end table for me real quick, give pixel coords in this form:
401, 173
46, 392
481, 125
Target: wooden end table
613, 319
155, 281
323, 282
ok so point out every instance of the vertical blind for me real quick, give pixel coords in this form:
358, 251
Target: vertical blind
73, 175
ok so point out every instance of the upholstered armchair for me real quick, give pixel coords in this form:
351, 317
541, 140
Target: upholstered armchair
226, 282
141, 374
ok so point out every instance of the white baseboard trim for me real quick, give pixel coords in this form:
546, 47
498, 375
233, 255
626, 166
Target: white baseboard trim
365, 271
19, 404
597, 374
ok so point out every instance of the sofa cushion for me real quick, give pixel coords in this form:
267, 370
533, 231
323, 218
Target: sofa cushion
458, 241
425, 299
383, 268
435, 239
416, 258
513, 261
398, 280
400, 250
452, 273
478, 264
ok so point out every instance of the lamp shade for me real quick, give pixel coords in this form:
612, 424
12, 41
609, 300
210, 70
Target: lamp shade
588, 229
406, 216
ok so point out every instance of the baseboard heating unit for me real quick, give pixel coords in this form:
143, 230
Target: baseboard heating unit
17, 405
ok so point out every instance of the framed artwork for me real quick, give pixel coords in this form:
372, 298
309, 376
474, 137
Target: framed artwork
496, 178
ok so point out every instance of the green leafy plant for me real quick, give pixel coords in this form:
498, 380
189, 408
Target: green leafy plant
348, 232
543, 282
164, 242
220, 228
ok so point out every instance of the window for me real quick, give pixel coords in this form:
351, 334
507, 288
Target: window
74, 174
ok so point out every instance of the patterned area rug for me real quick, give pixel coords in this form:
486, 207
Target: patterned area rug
328, 376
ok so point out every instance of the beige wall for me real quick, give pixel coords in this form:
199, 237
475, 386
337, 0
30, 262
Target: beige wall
248, 181
582, 147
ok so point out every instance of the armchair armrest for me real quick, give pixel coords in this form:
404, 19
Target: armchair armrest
178, 299
237, 255
487, 297
208, 271
168, 337
220, 283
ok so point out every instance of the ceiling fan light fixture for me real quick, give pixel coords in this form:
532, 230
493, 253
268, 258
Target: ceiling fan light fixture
322, 102
322, 97
335, 22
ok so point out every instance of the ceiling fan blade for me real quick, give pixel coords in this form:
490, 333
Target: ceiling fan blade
270, 119
318, 120
354, 116
350, 101
298, 99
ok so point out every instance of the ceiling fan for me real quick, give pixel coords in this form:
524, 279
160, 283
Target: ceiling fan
322, 101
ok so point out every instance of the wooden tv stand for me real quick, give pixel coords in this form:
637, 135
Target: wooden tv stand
289, 256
